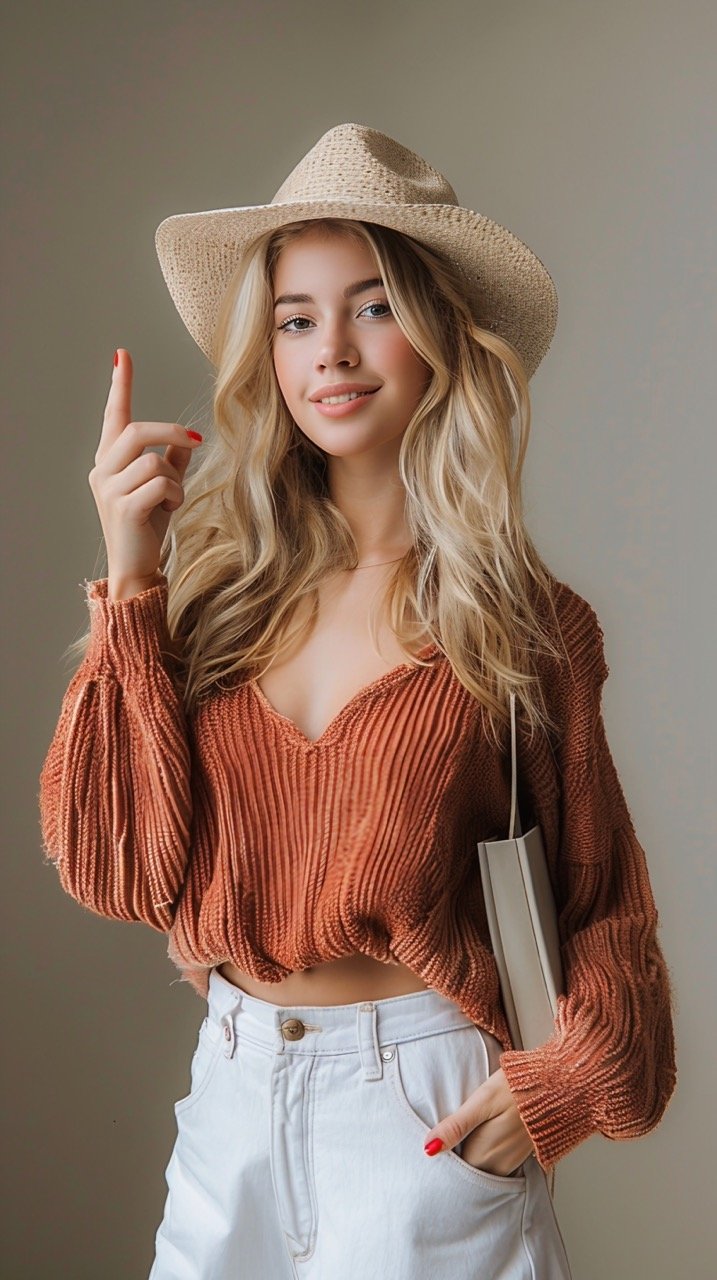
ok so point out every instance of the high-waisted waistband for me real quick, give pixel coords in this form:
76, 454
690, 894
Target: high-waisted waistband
336, 1028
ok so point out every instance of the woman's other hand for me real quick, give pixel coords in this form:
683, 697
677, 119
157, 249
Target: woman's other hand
496, 1139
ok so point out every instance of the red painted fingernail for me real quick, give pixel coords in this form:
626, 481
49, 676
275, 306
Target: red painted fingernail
433, 1147
194, 434
116, 358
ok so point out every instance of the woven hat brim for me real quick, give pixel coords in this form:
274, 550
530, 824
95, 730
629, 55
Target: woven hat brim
198, 253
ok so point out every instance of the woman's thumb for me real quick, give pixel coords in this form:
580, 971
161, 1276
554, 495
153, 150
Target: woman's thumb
178, 456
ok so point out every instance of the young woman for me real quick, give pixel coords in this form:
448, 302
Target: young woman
287, 735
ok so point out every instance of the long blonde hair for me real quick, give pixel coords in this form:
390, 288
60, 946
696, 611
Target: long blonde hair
258, 530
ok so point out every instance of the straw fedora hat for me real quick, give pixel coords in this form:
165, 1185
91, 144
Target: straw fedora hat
354, 171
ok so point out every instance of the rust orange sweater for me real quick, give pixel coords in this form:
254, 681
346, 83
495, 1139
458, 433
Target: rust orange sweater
242, 839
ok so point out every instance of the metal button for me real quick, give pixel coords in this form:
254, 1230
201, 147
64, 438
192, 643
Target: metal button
292, 1029
387, 1054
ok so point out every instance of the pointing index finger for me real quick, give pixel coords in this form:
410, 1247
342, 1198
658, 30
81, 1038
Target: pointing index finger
118, 409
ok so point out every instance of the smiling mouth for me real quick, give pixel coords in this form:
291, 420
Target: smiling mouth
346, 397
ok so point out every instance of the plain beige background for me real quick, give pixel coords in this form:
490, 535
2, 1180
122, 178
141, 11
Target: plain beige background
585, 128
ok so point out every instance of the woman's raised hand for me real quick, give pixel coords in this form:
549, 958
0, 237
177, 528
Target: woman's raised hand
136, 492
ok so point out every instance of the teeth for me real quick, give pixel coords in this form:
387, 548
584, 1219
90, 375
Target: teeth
353, 395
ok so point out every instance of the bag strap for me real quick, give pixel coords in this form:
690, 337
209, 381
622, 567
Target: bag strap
516, 828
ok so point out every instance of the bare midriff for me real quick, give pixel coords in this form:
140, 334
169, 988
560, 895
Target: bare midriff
343, 981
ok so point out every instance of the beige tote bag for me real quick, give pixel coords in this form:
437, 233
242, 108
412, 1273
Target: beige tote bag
522, 919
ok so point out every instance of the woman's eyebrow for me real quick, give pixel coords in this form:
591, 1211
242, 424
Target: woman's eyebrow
359, 286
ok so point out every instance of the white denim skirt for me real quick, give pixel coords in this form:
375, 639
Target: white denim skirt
299, 1151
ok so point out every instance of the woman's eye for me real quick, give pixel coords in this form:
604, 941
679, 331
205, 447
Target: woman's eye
292, 320
295, 319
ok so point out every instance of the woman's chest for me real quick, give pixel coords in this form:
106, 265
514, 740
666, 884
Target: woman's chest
332, 663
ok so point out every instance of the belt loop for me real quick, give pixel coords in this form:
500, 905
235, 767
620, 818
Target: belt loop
226, 1023
367, 1036
279, 1041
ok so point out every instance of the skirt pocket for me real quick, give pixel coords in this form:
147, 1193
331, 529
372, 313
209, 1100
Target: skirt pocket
433, 1076
204, 1060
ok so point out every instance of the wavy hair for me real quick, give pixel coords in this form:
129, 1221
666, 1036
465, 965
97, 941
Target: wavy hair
258, 531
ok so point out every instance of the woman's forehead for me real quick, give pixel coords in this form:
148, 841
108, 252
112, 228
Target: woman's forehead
319, 260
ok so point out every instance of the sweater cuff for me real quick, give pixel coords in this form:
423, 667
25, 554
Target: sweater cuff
553, 1100
127, 634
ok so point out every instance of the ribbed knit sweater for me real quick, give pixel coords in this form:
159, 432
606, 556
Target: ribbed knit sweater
244, 840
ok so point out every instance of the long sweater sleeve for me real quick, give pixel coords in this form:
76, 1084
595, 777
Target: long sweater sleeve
115, 800
609, 1066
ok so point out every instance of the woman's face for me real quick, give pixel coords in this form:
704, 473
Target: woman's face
332, 339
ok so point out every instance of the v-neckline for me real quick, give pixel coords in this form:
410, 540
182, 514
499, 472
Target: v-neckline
364, 692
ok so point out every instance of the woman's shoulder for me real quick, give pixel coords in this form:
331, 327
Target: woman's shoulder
575, 626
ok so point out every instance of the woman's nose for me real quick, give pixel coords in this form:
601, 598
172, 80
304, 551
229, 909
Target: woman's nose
336, 347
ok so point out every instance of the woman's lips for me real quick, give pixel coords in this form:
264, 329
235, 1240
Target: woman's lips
341, 410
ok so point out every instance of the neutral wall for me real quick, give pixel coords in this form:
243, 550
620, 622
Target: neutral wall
586, 129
